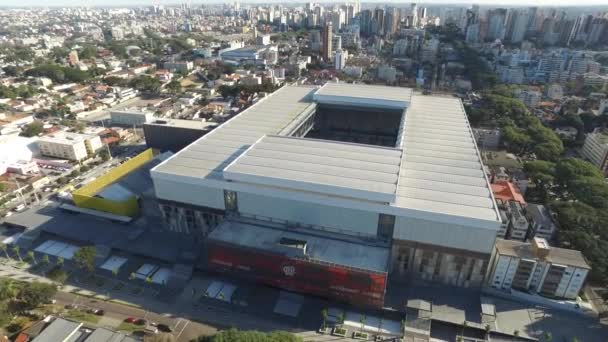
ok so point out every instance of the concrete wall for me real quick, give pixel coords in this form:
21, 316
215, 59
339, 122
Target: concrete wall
188, 193
350, 220
447, 235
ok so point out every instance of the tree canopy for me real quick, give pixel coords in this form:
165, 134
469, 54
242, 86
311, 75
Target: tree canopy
85, 258
32, 129
234, 335
59, 74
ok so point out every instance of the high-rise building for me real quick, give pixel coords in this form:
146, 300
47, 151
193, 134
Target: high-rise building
327, 41
340, 59
414, 19
496, 23
378, 21
366, 22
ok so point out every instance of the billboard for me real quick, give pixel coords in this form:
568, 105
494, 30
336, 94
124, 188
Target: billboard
355, 286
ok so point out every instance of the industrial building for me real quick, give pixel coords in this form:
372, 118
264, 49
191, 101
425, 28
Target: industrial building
538, 268
174, 134
71, 146
340, 185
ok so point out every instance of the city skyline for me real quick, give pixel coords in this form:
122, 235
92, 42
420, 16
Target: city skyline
111, 3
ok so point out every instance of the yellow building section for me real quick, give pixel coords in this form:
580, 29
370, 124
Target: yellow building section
85, 196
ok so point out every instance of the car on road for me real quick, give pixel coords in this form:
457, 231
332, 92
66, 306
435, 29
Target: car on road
164, 328
97, 312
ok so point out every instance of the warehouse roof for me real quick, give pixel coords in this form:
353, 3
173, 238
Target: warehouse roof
333, 168
435, 168
59, 330
341, 252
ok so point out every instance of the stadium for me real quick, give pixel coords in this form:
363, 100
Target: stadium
335, 190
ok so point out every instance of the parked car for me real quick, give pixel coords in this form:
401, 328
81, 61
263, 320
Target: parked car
130, 319
141, 321
164, 328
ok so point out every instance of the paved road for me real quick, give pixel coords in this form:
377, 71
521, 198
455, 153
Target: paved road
183, 329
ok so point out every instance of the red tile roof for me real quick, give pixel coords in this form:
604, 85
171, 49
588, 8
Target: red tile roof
507, 191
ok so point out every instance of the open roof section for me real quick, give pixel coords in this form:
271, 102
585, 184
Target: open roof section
441, 169
364, 95
363, 172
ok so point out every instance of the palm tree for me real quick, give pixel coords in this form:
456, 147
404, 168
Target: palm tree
547, 336
362, 321
4, 248
324, 317
30, 256
16, 250
487, 328
8, 290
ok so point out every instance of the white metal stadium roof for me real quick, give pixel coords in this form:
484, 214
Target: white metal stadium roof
328, 167
435, 168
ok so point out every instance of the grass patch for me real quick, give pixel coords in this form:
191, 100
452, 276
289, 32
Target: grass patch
82, 316
129, 327
360, 335
339, 331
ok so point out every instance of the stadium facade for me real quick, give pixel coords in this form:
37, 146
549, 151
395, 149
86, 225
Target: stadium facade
333, 190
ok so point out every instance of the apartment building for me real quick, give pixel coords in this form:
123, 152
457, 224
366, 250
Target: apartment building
540, 220
595, 150
71, 146
536, 267
518, 226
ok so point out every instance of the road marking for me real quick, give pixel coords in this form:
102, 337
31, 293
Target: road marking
184, 328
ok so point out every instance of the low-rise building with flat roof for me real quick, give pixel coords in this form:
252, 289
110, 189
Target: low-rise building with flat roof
71, 146
538, 268
174, 134
131, 117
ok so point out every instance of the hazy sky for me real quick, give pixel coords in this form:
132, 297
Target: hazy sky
150, 2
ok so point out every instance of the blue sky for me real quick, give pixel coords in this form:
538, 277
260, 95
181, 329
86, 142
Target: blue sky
149, 2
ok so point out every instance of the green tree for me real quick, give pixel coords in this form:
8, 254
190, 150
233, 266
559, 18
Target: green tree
30, 257
45, 259
234, 335
34, 294
57, 274
4, 248
324, 318
59, 261
104, 154
8, 289
174, 87
33, 129
16, 250
85, 258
